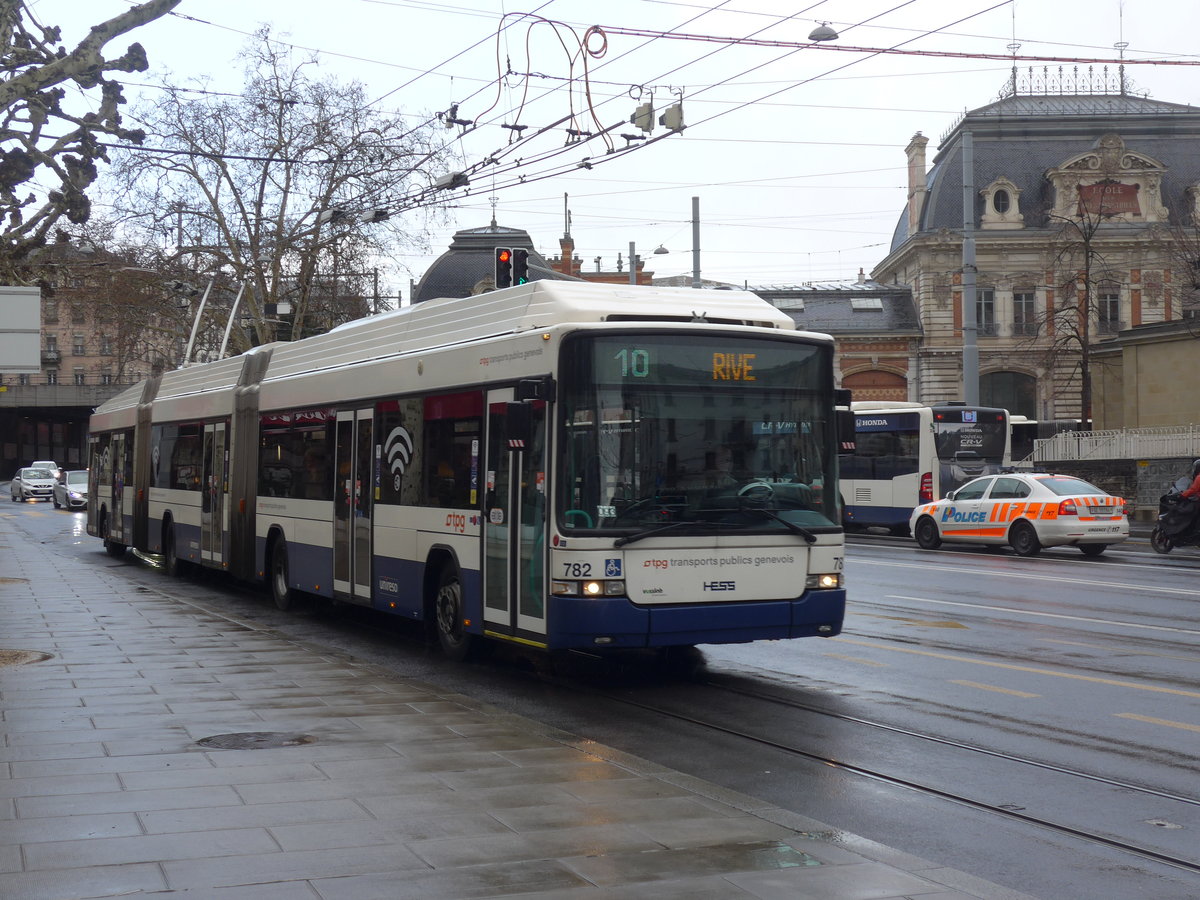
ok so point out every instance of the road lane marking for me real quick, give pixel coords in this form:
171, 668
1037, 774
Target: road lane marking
907, 620
1013, 667
1057, 579
1153, 721
857, 659
1043, 615
992, 687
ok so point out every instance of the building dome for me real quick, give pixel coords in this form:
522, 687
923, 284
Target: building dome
468, 267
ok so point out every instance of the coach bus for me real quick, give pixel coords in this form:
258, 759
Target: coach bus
908, 453
557, 464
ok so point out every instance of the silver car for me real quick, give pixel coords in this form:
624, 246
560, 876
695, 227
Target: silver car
32, 484
71, 490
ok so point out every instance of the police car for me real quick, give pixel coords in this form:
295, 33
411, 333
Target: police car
1027, 511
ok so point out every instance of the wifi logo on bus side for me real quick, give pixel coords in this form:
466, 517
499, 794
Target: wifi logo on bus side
398, 448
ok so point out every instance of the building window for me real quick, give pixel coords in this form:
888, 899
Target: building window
80, 348
106, 377
985, 310
1014, 391
79, 377
1108, 305
1024, 313
52, 376
23, 380
1001, 201
78, 315
105, 345
51, 307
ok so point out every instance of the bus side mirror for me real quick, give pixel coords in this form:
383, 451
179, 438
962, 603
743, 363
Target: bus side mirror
518, 423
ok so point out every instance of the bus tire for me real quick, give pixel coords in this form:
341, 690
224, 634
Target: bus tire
281, 590
927, 534
172, 564
454, 639
111, 547
1023, 539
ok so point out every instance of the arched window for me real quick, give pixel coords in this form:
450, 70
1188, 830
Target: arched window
876, 385
1001, 201
1013, 391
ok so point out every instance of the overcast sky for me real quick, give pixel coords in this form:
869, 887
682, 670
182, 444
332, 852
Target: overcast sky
796, 153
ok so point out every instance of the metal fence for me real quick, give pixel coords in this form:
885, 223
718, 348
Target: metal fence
1130, 443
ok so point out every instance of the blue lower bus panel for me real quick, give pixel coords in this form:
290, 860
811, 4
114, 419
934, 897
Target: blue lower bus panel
578, 622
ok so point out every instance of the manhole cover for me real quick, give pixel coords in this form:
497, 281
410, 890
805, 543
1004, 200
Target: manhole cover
14, 580
21, 657
256, 740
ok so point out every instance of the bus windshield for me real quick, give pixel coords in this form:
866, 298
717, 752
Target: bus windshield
668, 428
969, 443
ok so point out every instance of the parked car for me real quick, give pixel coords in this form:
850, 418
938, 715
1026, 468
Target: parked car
71, 490
32, 484
50, 464
1027, 511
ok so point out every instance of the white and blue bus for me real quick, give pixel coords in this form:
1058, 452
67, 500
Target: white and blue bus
907, 454
557, 464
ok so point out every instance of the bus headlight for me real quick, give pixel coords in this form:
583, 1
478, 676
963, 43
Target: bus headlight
824, 582
608, 587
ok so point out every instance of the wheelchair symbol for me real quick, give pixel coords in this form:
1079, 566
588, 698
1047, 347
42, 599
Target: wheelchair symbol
612, 568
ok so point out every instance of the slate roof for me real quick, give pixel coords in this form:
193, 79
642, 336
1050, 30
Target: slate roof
470, 260
838, 309
1021, 137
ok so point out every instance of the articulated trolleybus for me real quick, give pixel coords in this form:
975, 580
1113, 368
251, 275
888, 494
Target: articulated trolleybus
556, 464
907, 454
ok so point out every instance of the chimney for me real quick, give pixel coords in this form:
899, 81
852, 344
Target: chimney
862, 279
567, 247
916, 180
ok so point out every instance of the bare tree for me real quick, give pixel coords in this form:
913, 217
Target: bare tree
278, 188
1085, 277
43, 141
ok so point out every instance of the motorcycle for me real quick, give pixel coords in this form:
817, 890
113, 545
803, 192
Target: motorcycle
1178, 523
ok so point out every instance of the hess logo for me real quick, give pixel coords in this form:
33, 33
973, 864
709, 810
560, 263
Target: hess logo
720, 585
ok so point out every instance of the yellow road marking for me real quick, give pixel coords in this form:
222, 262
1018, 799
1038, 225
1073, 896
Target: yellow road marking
910, 621
992, 687
857, 659
1153, 721
1114, 682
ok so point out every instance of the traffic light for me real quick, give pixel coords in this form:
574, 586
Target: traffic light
520, 266
504, 267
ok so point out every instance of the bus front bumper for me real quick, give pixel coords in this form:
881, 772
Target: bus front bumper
618, 623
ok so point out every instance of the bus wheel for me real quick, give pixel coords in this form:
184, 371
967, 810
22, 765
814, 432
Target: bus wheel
171, 562
927, 534
281, 591
1024, 539
111, 547
452, 634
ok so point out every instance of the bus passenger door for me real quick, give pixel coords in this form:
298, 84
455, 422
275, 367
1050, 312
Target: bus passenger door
514, 525
353, 505
116, 514
212, 503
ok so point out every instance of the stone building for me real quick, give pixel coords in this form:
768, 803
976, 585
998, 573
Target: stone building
877, 329
106, 324
1080, 194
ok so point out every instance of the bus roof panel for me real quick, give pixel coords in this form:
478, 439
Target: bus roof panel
541, 304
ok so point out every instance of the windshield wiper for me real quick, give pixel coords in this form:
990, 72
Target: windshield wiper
670, 526
790, 526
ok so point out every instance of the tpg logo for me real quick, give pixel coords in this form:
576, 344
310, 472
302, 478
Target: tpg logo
950, 514
720, 585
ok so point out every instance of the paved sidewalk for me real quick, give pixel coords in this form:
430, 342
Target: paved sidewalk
383, 789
